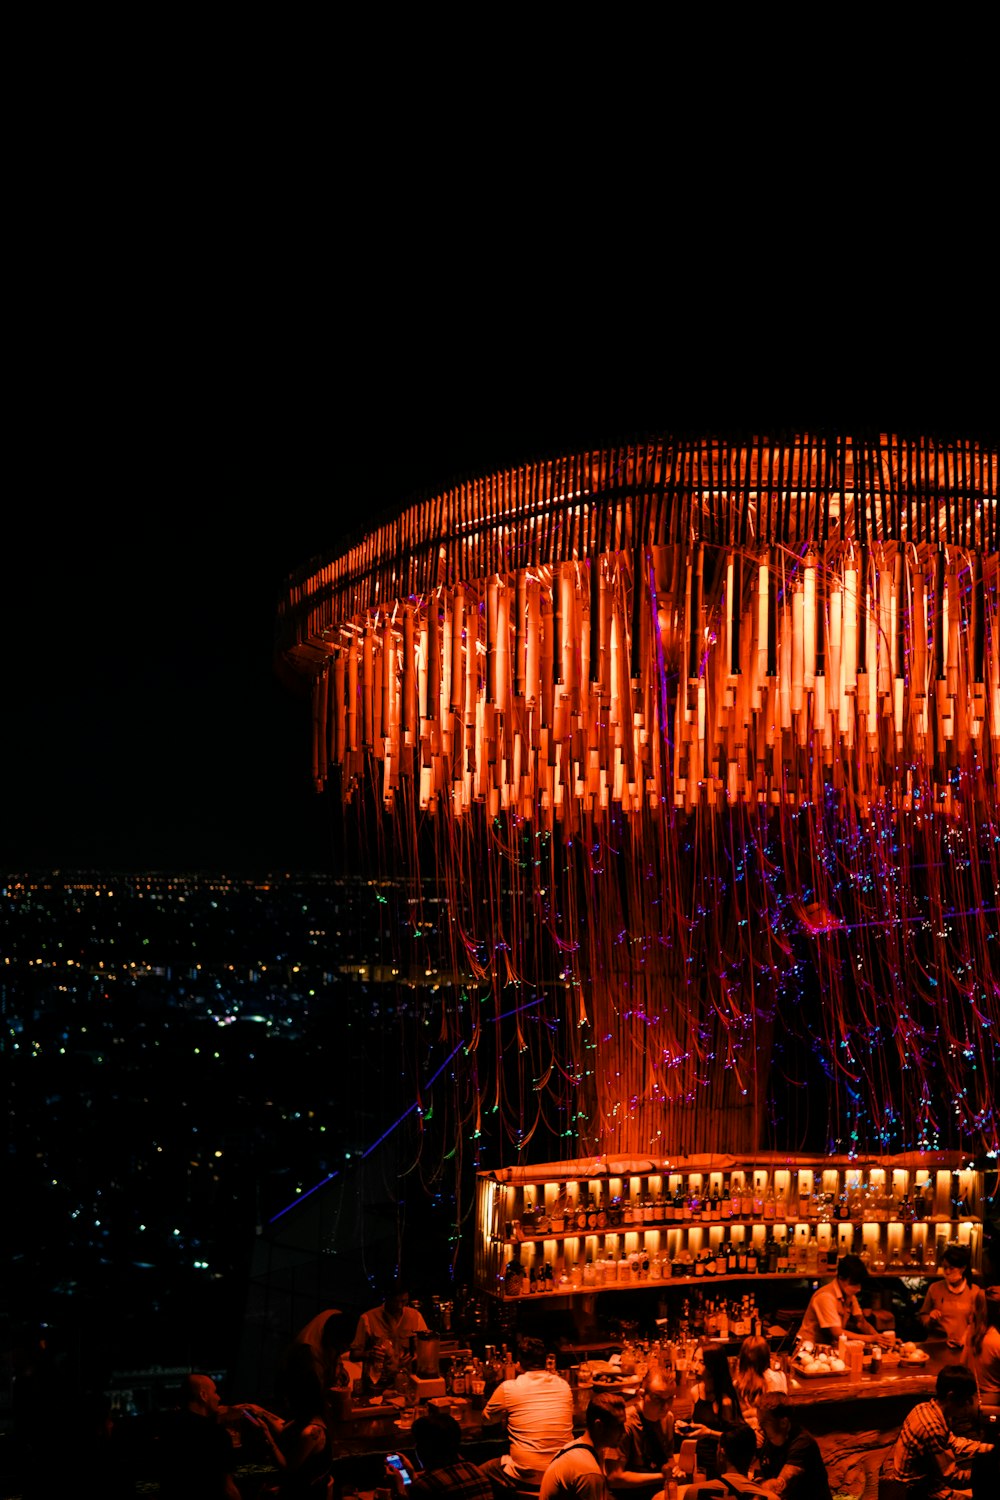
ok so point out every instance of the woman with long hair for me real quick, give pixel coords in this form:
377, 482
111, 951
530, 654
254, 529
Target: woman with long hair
981, 1351
716, 1406
754, 1376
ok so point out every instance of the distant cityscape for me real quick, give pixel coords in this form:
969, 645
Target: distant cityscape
185, 1056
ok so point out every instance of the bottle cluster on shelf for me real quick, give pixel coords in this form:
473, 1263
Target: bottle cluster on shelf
756, 1197
559, 1234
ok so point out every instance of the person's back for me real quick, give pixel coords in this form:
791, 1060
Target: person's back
444, 1472
537, 1408
737, 1452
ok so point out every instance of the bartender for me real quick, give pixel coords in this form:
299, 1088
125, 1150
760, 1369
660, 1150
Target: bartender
835, 1308
949, 1303
390, 1329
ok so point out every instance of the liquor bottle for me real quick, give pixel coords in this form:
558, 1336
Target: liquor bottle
803, 1197
513, 1279
532, 1281
714, 1211
593, 1211
549, 1278
722, 1323
615, 1212
780, 1206
687, 1208
581, 1210
782, 1265
769, 1203
589, 1278
746, 1201
543, 1221
558, 1215
528, 1214
772, 1256
694, 1198
919, 1211
644, 1265
758, 1200
732, 1258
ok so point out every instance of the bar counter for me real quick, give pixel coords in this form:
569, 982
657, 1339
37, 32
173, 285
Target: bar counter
855, 1423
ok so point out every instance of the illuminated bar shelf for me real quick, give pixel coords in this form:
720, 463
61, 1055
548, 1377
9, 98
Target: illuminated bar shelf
900, 1211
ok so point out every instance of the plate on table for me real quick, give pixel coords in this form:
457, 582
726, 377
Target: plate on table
823, 1373
920, 1357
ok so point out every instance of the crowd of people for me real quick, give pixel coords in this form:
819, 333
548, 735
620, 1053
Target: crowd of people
739, 1433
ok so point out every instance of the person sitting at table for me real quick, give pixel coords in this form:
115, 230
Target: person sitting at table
648, 1443
790, 1462
537, 1408
577, 1471
929, 1458
737, 1451
981, 1351
950, 1301
437, 1439
715, 1406
298, 1445
754, 1376
391, 1328
834, 1308
195, 1453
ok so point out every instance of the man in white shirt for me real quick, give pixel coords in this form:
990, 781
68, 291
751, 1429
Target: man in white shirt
537, 1408
391, 1327
834, 1309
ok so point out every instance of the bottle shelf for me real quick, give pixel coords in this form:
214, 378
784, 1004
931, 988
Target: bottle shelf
683, 1224
730, 1278
897, 1208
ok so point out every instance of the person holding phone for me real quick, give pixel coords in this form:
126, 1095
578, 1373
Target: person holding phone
442, 1470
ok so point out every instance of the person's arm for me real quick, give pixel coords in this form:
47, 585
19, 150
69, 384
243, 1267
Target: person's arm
930, 1313
310, 1440
495, 1409
786, 1476
966, 1448
264, 1419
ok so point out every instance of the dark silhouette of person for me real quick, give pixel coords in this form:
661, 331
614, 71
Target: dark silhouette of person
195, 1456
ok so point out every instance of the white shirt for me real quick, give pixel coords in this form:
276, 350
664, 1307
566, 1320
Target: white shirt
376, 1327
538, 1407
830, 1307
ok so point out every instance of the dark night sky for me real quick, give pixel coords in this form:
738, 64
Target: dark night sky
213, 398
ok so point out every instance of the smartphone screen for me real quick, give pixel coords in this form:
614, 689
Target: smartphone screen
395, 1462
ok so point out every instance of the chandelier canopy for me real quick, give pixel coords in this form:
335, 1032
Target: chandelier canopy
748, 694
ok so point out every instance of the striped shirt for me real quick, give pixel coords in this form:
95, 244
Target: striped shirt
924, 1439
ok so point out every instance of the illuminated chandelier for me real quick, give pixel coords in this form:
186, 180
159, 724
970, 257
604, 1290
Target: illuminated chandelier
697, 646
